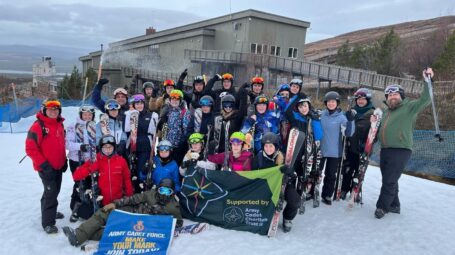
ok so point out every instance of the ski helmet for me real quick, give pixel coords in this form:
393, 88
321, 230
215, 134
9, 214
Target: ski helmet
120, 91
393, 89
227, 76
169, 82
257, 80
237, 137
164, 191
166, 182
206, 101
332, 95
148, 84
261, 100
87, 108
303, 100
51, 103
284, 87
164, 145
111, 104
363, 93
138, 98
296, 81
107, 139
176, 93
196, 138
199, 79
228, 101
272, 138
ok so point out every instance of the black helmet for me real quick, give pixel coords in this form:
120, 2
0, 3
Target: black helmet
363, 92
199, 79
270, 137
332, 95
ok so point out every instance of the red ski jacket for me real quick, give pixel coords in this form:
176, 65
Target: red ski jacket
47, 142
114, 178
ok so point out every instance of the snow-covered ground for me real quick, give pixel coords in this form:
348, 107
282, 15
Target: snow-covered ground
426, 225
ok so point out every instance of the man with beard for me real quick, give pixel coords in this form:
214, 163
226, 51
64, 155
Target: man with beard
395, 135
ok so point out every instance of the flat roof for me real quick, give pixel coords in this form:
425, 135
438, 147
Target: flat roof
210, 22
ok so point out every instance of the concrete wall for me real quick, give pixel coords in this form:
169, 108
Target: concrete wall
273, 33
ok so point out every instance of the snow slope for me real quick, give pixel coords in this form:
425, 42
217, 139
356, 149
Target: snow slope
426, 225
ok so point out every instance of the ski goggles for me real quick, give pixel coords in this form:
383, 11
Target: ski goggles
168, 83
228, 105
120, 91
112, 106
87, 108
257, 80
107, 140
261, 100
227, 76
199, 79
235, 141
52, 104
165, 191
138, 98
164, 148
392, 89
195, 140
205, 102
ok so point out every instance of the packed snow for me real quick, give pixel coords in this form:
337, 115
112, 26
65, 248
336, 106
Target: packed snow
426, 224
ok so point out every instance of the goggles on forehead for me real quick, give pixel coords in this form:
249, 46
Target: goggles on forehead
87, 108
175, 95
112, 106
195, 140
168, 83
199, 78
165, 191
391, 89
52, 104
164, 148
235, 140
120, 91
257, 80
107, 140
205, 102
262, 100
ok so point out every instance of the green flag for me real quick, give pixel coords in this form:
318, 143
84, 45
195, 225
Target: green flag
242, 201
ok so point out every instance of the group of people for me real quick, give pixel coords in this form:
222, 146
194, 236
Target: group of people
219, 129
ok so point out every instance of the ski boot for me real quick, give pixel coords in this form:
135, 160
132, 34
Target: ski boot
327, 200
71, 234
379, 213
287, 225
59, 216
51, 229
395, 209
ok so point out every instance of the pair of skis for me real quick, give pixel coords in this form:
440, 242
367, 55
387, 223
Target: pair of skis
95, 197
295, 142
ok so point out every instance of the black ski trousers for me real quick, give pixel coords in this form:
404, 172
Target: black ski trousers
49, 201
350, 167
331, 166
292, 202
392, 163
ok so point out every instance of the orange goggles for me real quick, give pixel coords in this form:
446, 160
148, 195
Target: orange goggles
227, 76
262, 100
257, 80
175, 96
52, 104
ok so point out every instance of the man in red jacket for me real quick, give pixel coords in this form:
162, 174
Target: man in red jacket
45, 145
114, 179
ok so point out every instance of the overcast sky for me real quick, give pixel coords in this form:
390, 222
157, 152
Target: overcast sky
88, 23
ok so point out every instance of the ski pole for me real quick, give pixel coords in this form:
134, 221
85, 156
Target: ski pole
435, 116
23, 158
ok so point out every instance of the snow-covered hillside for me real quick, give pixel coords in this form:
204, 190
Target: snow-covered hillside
426, 225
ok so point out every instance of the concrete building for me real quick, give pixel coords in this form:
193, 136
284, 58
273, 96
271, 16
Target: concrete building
218, 45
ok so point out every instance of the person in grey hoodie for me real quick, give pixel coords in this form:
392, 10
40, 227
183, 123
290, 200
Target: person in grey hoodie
333, 121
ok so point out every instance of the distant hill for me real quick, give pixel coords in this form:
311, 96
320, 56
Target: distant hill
326, 50
22, 57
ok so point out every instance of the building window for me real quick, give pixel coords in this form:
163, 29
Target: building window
292, 53
275, 50
259, 49
253, 47
264, 48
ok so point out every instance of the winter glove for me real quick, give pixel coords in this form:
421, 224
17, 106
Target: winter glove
109, 207
350, 115
287, 170
217, 77
121, 148
47, 172
103, 81
183, 75
194, 155
84, 147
